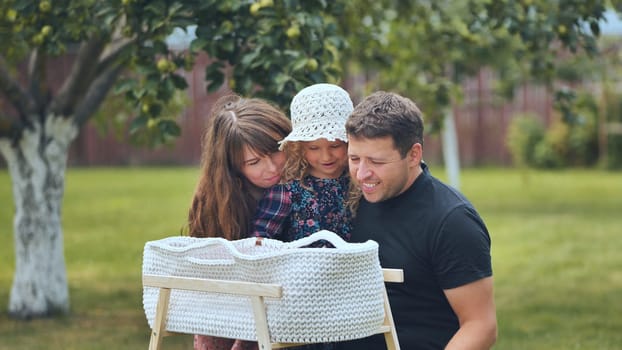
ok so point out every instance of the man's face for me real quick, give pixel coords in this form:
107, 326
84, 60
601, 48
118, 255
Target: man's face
379, 170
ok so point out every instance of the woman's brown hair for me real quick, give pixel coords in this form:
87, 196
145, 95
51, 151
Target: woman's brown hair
223, 204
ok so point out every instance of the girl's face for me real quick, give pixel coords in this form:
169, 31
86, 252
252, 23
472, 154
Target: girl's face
262, 171
327, 159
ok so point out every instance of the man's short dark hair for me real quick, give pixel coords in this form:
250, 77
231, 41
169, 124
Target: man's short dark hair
384, 114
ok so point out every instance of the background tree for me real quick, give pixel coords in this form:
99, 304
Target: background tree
268, 49
426, 49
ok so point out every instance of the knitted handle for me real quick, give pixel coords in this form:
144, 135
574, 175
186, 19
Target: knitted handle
326, 235
231, 248
216, 241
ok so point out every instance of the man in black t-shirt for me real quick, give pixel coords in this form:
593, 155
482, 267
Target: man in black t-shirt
422, 226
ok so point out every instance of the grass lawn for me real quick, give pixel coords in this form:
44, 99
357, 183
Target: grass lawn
558, 270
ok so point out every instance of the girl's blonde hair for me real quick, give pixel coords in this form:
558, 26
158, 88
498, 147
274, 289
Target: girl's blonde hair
296, 165
223, 204
354, 197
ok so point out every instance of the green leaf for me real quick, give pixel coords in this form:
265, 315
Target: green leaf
299, 64
166, 89
198, 44
138, 123
179, 81
215, 80
251, 56
155, 110
124, 86
169, 127
160, 46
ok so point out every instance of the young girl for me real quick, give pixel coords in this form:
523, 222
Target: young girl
240, 159
314, 189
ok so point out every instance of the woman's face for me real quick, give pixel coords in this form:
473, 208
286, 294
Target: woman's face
262, 171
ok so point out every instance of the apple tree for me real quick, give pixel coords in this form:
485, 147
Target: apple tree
265, 48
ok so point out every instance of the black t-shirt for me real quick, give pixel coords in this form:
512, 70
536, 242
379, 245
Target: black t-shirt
435, 235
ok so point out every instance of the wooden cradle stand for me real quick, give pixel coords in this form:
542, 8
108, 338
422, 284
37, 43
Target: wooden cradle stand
257, 292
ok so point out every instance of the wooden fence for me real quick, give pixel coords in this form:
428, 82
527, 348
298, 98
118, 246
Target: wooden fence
481, 122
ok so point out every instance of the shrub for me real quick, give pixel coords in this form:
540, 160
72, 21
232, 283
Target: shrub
525, 132
583, 136
614, 157
546, 155
614, 140
567, 145
557, 139
563, 144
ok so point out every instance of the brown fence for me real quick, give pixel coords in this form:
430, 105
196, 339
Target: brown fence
481, 122
482, 119
91, 148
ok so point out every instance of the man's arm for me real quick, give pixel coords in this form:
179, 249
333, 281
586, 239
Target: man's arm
474, 305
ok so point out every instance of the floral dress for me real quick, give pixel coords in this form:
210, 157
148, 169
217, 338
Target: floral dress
296, 209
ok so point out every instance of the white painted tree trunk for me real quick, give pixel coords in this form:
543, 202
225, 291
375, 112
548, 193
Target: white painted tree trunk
37, 166
450, 149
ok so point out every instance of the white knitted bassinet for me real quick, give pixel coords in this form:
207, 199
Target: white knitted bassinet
329, 294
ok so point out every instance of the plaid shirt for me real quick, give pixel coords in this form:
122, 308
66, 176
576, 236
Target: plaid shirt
297, 209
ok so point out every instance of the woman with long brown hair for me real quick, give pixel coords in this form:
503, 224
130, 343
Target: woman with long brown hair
240, 159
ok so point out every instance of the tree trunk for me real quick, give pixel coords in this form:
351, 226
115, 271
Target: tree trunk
450, 149
37, 164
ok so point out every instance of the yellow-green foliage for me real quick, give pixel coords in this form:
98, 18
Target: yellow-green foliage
561, 144
524, 134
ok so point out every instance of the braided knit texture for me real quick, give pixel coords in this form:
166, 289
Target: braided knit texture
329, 294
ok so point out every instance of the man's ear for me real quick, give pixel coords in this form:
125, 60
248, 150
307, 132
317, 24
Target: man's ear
415, 154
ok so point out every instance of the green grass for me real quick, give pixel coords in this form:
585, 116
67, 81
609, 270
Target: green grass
108, 215
556, 260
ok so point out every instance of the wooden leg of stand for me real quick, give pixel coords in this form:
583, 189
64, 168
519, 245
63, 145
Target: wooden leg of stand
391, 336
261, 323
159, 324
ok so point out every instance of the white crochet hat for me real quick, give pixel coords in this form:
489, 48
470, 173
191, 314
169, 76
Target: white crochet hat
319, 111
